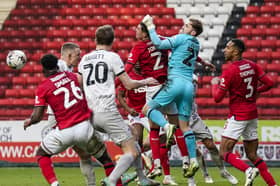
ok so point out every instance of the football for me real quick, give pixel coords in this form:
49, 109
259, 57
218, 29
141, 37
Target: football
16, 59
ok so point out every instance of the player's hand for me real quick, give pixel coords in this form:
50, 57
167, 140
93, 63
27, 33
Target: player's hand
210, 66
151, 81
215, 80
26, 124
132, 112
148, 21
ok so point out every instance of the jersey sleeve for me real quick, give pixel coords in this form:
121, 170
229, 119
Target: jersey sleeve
134, 54
40, 97
167, 43
118, 66
225, 79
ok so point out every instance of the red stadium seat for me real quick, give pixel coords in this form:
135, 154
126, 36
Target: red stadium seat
264, 55
29, 93
253, 44
273, 68
268, 44
249, 55
253, 10
267, 10
19, 81
248, 21
244, 32
12, 93
275, 55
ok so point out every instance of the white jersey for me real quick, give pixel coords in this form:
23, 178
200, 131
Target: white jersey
62, 66
99, 69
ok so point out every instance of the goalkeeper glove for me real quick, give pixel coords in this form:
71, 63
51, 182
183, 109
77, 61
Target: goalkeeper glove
148, 21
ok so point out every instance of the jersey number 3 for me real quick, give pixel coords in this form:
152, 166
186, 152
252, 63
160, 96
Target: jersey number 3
249, 87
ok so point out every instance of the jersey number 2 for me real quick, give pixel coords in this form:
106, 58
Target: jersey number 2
157, 65
77, 92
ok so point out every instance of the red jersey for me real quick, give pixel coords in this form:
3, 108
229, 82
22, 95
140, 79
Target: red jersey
135, 98
241, 80
153, 62
61, 91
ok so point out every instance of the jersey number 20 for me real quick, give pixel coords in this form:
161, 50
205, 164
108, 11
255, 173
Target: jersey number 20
100, 73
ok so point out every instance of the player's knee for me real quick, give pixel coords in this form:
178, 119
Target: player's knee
41, 152
96, 147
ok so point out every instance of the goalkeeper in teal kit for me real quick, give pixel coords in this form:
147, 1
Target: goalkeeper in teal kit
179, 87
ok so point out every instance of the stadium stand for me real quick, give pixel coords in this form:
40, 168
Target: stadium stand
41, 26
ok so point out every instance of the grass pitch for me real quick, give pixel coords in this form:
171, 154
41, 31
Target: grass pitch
73, 177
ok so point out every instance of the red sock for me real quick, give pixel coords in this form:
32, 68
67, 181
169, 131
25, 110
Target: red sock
45, 163
261, 165
109, 167
164, 160
235, 161
181, 142
154, 143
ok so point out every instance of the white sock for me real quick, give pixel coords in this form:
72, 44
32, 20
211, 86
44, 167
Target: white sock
123, 164
87, 170
157, 162
55, 183
185, 159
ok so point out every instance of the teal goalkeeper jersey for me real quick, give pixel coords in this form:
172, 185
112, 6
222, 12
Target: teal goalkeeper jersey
185, 50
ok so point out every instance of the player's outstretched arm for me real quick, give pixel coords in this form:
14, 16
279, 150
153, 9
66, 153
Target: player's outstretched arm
122, 100
132, 84
36, 116
160, 44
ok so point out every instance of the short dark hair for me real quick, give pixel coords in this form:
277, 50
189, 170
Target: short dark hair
239, 44
144, 29
104, 35
197, 25
49, 61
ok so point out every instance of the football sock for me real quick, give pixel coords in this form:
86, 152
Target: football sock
202, 164
123, 164
157, 117
47, 170
87, 170
235, 161
154, 143
191, 143
216, 158
109, 167
181, 142
139, 167
261, 165
164, 160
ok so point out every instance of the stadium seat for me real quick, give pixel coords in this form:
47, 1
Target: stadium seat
12, 93
264, 55
28, 93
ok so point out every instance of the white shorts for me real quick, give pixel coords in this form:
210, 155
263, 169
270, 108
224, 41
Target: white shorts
57, 141
170, 109
200, 130
247, 129
137, 120
113, 124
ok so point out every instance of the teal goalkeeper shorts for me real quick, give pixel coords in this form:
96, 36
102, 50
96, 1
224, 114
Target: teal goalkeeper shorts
178, 90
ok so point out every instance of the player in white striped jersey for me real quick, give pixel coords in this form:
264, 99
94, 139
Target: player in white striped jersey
203, 134
98, 70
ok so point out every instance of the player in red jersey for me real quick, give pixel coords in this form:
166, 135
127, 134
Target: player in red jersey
62, 93
133, 102
241, 80
154, 63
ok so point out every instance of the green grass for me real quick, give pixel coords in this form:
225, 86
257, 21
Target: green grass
73, 177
